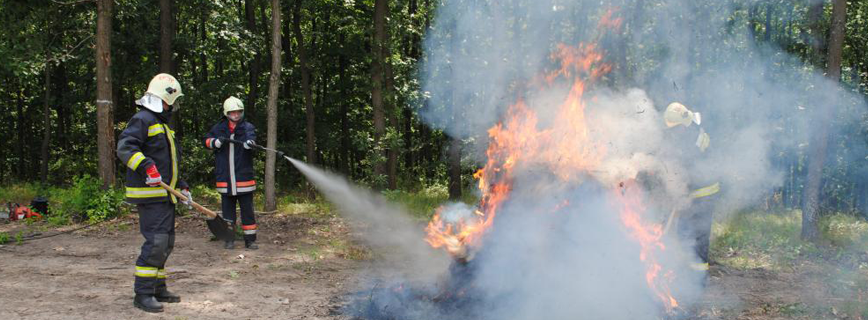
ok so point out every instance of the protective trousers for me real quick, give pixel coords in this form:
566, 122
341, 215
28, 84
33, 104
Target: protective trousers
695, 224
248, 221
157, 224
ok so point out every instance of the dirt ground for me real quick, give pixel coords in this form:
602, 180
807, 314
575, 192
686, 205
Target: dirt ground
302, 270
296, 274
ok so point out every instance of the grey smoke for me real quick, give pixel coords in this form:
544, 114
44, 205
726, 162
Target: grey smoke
385, 225
482, 56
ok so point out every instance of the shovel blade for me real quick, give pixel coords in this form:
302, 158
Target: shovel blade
220, 229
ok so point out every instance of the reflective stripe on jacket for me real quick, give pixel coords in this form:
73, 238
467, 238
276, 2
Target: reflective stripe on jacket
147, 140
233, 165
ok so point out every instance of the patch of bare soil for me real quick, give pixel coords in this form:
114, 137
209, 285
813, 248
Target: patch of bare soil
303, 270
88, 274
801, 292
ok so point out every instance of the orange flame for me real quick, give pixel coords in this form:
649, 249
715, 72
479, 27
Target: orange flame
649, 235
567, 149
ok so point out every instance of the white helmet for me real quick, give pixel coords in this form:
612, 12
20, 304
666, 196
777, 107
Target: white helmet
232, 104
677, 114
165, 87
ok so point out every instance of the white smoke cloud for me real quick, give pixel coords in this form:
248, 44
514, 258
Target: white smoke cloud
386, 226
482, 56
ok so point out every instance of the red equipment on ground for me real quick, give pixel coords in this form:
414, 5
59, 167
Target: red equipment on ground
19, 212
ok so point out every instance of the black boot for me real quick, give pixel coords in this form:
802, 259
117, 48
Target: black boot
230, 244
167, 296
147, 303
251, 245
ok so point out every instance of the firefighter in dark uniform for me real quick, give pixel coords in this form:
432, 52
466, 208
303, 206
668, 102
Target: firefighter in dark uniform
148, 148
694, 223
234, 168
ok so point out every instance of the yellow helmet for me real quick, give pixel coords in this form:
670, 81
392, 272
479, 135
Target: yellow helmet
165, 87
678, 114
232, 104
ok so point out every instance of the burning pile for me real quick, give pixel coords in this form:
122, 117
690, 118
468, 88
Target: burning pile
563, 228
544, 213
567, 150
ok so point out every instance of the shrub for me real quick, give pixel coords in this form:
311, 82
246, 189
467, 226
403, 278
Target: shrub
86, 201
19, 193
845, 231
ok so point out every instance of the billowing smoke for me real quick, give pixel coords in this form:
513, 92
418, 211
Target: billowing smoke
568, 246
383, 225
754, 100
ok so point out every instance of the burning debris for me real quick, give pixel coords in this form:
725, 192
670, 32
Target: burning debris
528, 247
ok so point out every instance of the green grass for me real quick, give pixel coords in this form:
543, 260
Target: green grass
294, 206
423, 203
845, 231
772, 241
19, 193
759, 240
82, 200
420, 204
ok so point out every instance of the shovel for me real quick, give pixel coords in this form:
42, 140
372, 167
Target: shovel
218, 227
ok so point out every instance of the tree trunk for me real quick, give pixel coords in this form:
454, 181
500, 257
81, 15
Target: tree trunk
811, 206
273, 83
818, 41
167, 34
770, 10
310, 127
62, 114
423, 159
454, 164
167, 61
377, 85
389, 103
249, 12
104, 102
343, 165
21, 131
46, 122
411, 51
203, 37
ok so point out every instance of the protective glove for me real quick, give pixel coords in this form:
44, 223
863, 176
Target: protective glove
186, 193
218, 142
153, 179
703, 140
249, 144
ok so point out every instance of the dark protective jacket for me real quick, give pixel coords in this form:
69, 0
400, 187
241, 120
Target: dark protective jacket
233, 164
682, 146
147, 140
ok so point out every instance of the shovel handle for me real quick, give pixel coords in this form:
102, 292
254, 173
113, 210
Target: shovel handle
200, 208
670, 221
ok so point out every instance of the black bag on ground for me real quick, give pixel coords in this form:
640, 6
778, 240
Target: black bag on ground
40, 205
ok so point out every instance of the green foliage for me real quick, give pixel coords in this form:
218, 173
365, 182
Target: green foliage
19, 193
423, 203
845, 231
772, 240
298, 205
759, 240
205, 194
85, 200
4, 237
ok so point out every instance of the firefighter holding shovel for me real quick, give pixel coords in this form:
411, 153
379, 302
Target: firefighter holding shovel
234, 168
694, 223
148, 148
